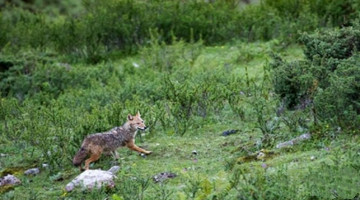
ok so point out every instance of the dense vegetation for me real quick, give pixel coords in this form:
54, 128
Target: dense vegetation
272, 69
106, 26
328, 80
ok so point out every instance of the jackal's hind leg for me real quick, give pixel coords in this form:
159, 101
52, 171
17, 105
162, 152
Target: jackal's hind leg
94, 157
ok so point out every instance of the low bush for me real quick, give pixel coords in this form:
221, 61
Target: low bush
327, 80
340, 101
292, 81
339, 44
329, 12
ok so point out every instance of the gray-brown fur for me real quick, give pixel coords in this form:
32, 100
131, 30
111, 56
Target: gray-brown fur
80, 157
98, 143
110, 140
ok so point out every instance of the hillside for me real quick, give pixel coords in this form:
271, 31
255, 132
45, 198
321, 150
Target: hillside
260, 102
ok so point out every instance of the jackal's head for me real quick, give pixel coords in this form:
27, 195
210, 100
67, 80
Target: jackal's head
136, 123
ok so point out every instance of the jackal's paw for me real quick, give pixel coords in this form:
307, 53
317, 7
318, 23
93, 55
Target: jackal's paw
148, 152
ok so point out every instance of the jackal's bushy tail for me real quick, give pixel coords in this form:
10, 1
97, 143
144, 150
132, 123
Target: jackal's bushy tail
79, 156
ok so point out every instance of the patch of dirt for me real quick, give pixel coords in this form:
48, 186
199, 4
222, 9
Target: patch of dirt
257, 156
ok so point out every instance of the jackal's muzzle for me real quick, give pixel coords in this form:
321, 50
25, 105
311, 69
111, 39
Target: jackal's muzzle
142, 128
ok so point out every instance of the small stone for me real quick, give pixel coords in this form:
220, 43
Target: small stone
32, 171
163, 176
9, 180
194, 152
135, 65
229, 132
44, 165
260, 156
338, 129
312, 158
264, 165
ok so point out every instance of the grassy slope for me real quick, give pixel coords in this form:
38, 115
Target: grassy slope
174, 153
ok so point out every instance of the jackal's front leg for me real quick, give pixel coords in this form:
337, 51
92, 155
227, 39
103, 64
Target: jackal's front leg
131, 145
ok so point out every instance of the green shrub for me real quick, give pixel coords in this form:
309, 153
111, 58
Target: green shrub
327, 80
329, 12
49, 7
3, 32
339, 44
167, 58
26, 29
194, 20
32, 73
292, 81
335, 13
258, 23
340, 101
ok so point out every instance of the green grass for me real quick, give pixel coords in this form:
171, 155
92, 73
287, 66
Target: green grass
212, 169
174, 154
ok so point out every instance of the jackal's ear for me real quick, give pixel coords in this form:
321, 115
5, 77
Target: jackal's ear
138, 114
130, 117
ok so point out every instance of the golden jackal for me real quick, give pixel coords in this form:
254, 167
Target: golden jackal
107, 142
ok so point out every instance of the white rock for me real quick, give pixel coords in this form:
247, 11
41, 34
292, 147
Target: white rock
90, 179
9, 180
32, 171
260, 156
136, 65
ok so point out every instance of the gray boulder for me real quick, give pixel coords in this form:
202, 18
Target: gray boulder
32, 171
97, 178
294, 141
9, 180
